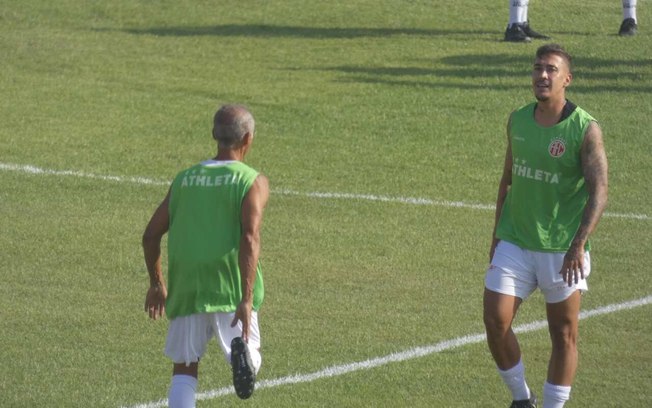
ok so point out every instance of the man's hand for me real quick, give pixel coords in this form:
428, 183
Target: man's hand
243, 314
572, 269
155, 300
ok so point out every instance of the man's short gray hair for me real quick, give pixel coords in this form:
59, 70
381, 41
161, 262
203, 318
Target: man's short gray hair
230, 124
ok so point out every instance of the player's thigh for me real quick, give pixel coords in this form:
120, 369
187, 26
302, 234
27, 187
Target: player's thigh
225, 333
499, 310
187, 338
511, 272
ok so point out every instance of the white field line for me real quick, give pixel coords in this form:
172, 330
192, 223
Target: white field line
327, 195
417, 352
25, 168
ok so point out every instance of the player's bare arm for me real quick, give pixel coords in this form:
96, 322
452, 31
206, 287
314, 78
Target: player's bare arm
503, 187
594, 168
253, 206
157, 227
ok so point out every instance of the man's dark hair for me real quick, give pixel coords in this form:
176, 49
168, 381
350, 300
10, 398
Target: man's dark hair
556, 49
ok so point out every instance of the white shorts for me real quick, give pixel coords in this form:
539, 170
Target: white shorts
188, 336
518, 272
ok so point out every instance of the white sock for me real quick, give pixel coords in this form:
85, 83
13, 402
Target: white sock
514, 378
629, 9
182, 391
256, 358
518, 11
524, 4
555, 396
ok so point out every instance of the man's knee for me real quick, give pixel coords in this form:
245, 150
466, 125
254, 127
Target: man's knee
563, 322
563, 336
496, 325
498, 312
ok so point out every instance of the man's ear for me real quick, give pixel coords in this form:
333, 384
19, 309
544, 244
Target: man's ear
247, 139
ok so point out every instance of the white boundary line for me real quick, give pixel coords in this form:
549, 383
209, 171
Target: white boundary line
417, 352
29, 169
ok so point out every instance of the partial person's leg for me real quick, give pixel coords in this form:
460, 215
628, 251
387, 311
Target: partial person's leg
629, 25
245, 358
499, 313
183, 386
185, 345
226, 334
517, 18
517, 11
509, 280
563, 322
629, 9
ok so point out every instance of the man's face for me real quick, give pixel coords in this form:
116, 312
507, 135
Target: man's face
550, 77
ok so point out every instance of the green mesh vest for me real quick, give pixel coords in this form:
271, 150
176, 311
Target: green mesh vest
545, 203
204, 239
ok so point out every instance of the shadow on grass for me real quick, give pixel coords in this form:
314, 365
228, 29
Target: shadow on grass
579, 62
271, 31
492, 71
505, 72
575, 88
264, 30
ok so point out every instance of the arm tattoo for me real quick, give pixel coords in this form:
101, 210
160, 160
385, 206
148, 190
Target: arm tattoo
594, 168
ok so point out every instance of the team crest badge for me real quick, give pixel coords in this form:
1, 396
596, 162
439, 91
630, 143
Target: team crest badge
557, 147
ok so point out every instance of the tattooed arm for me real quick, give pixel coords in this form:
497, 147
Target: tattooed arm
594, 167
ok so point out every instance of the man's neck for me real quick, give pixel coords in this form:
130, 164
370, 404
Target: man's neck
225, 154
548, 113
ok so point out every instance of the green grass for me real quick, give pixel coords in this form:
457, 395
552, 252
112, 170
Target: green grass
391, 98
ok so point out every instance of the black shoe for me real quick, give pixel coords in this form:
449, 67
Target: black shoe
515, 33
528, 403
628, 27
531, 33
244, 376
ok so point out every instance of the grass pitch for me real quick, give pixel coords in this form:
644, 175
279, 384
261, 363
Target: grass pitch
399, 99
